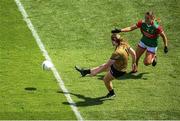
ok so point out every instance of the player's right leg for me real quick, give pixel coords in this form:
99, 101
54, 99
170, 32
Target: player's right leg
82, 71
139, 51
94, 71
99, 69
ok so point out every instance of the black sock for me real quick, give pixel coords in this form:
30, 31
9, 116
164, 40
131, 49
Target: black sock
87, 71
111, 92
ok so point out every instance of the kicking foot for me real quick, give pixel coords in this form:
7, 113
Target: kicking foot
81, 70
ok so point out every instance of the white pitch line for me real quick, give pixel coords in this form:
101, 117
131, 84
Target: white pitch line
45, 54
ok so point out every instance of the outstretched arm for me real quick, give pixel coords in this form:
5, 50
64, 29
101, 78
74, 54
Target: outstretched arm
163, 35
133, 55
101, 68
127, 29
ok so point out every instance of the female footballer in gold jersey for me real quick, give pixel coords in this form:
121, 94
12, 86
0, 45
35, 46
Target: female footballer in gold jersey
116, 65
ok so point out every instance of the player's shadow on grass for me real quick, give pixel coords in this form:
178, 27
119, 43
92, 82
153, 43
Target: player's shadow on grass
128, 76
86, 101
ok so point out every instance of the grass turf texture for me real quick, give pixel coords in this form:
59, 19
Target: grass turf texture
20, 72
78, 33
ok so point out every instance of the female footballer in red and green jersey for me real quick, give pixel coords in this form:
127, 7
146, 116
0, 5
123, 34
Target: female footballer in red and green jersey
150, 30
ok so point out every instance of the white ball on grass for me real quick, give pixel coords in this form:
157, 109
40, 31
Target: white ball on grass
47, 65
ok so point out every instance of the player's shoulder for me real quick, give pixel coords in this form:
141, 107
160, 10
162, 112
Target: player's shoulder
125, 44
140, 20
114, 55
121, 48
116, 51
139, 23
158, 26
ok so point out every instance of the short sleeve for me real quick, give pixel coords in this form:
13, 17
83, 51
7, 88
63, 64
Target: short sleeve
139, 24
159, 30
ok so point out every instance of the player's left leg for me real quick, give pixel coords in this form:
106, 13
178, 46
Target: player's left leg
141, 48
150, 57
113, 73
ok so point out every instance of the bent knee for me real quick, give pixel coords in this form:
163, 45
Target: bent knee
105, 79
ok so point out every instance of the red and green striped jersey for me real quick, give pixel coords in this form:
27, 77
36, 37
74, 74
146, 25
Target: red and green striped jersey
150, 32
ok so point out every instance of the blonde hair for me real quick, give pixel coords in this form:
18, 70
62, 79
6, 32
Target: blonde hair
118, 36
120, 39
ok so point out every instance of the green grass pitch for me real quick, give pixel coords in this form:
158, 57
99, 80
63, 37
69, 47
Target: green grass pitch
77, 32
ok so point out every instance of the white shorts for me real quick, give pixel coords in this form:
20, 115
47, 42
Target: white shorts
149, 49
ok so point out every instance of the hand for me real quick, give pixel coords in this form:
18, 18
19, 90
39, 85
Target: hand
165, 49
116, 31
